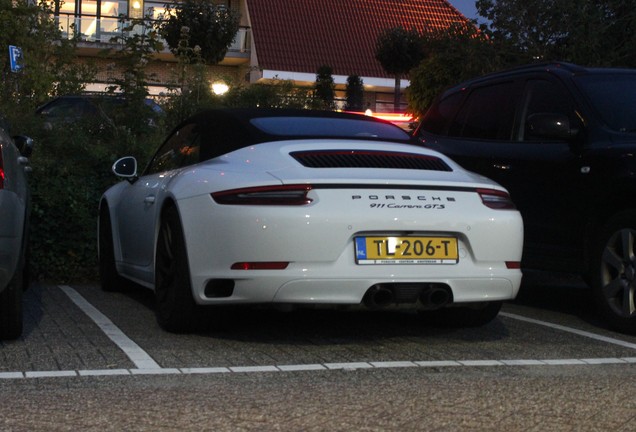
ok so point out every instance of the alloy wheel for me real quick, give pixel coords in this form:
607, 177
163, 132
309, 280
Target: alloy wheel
618, 273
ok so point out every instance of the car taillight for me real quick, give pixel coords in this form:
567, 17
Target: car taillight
496, 199
290, 195
260, 265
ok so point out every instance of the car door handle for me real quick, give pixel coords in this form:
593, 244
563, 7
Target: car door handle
502, 167
150, 199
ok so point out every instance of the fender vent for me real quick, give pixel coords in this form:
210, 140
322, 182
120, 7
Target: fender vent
369, 159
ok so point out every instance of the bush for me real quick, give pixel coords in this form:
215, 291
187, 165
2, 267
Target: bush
355, 93
278, 94
71, 169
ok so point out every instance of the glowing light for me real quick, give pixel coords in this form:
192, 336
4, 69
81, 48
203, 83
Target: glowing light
220, 88
395, 118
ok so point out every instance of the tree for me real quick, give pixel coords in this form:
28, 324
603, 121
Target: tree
137, 45
49, 65
588, 32
354, 93
211, 27
324, 87
457, 53
192, 91
399, 50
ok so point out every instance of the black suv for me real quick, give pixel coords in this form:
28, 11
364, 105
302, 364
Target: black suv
562, 139
99, 109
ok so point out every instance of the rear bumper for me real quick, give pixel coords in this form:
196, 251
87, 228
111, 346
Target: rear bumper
348, 284
318, 243
352, 291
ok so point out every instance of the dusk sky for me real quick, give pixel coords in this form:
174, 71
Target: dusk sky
466, 7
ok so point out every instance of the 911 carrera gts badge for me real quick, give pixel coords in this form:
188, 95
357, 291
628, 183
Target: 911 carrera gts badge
406, 201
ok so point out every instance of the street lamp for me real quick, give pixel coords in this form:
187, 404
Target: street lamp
220, 88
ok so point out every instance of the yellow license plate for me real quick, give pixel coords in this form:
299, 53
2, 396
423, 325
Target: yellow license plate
406, 250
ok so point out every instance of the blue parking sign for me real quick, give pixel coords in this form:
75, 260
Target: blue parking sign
15, 58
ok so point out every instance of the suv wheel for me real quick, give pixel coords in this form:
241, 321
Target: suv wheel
614, 271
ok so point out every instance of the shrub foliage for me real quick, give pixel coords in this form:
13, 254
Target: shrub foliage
211, 27
71, 169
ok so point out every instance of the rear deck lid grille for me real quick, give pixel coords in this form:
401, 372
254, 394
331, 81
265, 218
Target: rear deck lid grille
369, 159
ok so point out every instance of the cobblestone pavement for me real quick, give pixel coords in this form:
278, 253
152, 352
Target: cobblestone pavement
572, 398
544, 364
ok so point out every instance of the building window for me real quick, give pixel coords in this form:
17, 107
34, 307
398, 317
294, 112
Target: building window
108, 18
154, 10
88, 23
64, 15
113, 8
136, 9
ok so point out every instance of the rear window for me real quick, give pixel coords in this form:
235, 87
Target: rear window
328, 127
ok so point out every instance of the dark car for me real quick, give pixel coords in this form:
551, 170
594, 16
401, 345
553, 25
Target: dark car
14, 217
100, 109
562, 139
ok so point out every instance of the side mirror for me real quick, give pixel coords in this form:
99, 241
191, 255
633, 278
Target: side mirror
550, 126
126, 167
24, 144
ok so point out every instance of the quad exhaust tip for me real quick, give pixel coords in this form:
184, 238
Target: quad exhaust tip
430, 295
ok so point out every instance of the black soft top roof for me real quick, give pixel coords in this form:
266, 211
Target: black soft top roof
222, 131
255, 125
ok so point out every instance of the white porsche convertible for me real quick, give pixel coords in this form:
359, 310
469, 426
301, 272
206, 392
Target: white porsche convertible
305, 208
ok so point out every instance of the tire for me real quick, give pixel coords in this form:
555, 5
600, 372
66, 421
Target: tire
11, 306
109, 279
475, 315
613, 277
175, 307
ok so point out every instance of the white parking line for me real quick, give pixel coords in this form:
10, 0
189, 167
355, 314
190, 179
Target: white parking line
138, 356
147, 366
570, 330
316, 367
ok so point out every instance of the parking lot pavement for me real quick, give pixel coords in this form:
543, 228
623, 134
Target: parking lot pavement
554, 398
92, 360
81, 330
57, 337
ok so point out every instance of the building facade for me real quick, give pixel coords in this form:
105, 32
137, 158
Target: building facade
277, 39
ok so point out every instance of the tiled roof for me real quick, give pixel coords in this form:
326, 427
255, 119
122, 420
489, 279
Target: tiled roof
302, 35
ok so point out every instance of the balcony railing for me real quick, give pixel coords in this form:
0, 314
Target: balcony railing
111, 30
